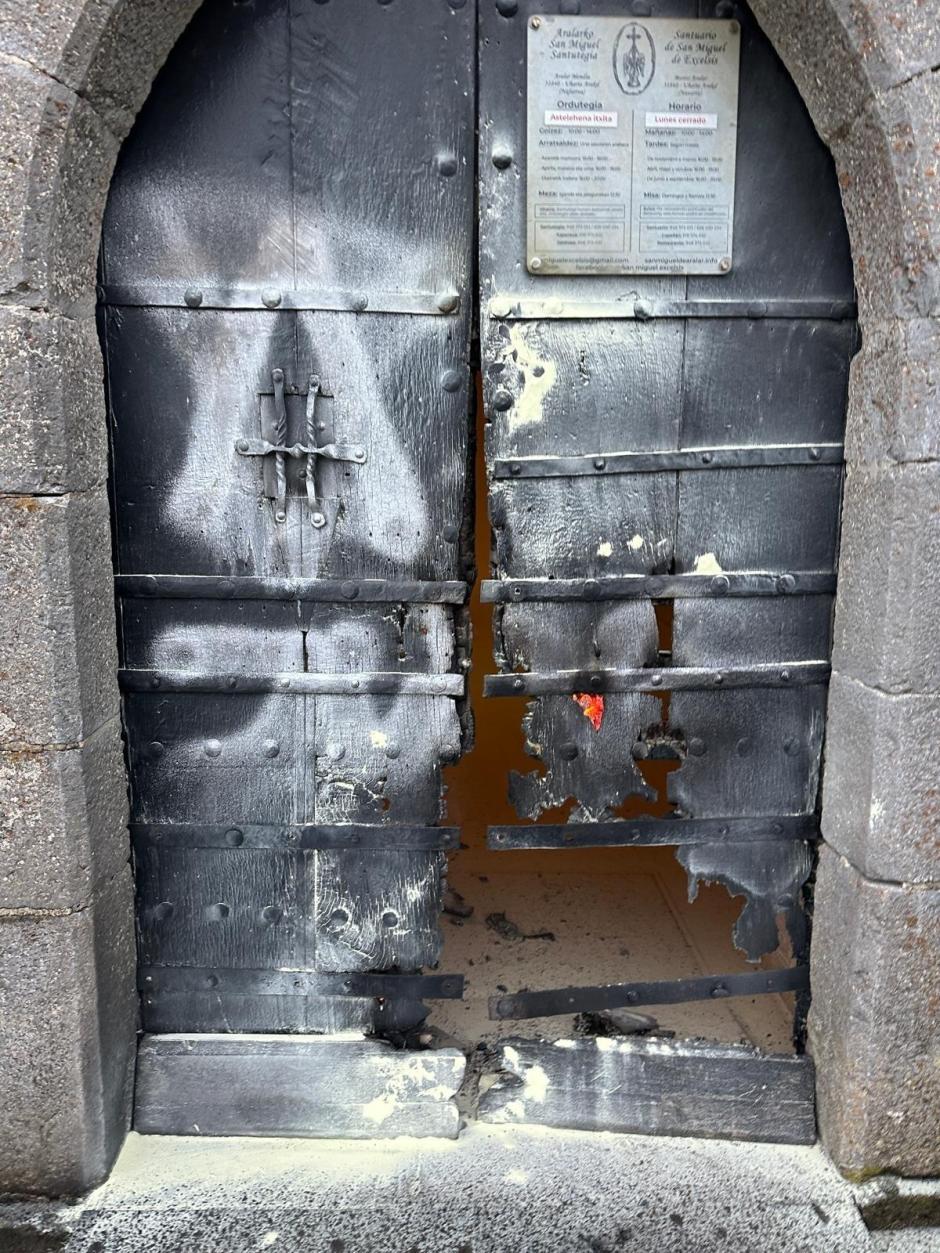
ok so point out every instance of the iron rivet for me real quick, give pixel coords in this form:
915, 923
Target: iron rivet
743, 746
502, 401
213, 748
392, 750
518, 684
321, 427
226, 587
271, 913
535, 263
790, 746
350, 590
507, 8
155, 682
339, 916
570, 7
448, 301
724, 8
697, 747
348, 985
641, 8
536, 23
317, 520
501, 158
642, 310
355, 839
592, 589
599, 463
157, 749
632, 997
355, 685
335, 752
278, 375
596, 682
723, 830
639, 751
233, 683
163, 911
235, 837
217, 912
721, 583
814, 454
447, 165
212, 981
280, 516
456, 4
707, 458
193, 298
270, 298
271, 748
719, 679
518, 592
360, 303
657, 680
724, 265
451, 380
785, 676
720, 990
777, 828
568, 751
450, 533
515, 468
500, 308
786, 583
389, 919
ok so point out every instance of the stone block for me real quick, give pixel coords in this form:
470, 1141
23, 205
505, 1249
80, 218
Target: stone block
873, 1023
894, 392
68, 1014
881, 786
58, 653
57, 159
887, 619
63, 821
52, 381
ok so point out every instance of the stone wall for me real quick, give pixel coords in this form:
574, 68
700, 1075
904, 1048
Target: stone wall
72, 75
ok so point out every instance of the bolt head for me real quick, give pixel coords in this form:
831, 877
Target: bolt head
724, 265
502, 401
270, 298
536, 23
241, 445
317, 520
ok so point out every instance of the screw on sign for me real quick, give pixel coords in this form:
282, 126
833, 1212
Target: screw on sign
592, 706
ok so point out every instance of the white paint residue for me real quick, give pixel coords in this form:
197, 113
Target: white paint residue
536, 1083
513, 1109
381, 1108
513, 1058
566, 1044
605, 548
636, 543
707, 563
605, 1044
538, 378
269, 1238
877, 809
379, 739
516, 1176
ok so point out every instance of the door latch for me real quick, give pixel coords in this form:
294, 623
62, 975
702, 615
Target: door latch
273, 446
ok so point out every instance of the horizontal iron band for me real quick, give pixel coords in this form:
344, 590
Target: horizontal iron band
249, 587
668, 679
521, 308
662, 586
299, 683
667, 992
300, 838
171, 980
643, 831
602, 463
151, 296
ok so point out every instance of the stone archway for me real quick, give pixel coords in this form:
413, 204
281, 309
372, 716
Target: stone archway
71, 80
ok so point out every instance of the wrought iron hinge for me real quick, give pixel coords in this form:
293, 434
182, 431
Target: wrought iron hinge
274, 444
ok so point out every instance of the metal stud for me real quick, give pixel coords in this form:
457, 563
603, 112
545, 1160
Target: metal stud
451, 380
218, 912
719, 990
193, 298
596, 682
212, 748
785, 676
642, 310
389, 919
156, 749
568, 751
163, 911
696, 747
600, 463
536, 23
707, 458
657, 680
791, 746
518, 684
447, 165
500, 307
271, 914
502, 401
450, 533
392, 750
515, 468
212, 981
271, 748
786, 583
448, 301
570, 7
338, 917
318, 519
335, 751
501, 158
350, 589
720, 584
641, 8
270, 298
814, 454
507, 8
724, 265
235, 837
743, 746
360, 303
457, 4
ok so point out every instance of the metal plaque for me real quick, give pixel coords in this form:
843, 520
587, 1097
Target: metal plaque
632, 129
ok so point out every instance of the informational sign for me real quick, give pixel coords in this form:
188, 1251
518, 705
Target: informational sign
632, 130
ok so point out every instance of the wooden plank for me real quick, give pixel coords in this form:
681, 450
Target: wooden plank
654, 1087
311, 1086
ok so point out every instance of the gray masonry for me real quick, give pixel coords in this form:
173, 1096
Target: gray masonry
72, 75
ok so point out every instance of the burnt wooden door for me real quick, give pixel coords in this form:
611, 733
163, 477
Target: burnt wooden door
285, 310
664, 459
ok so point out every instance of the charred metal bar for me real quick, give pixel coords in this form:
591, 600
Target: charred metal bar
437, 304
523, 308
250, 587
601, 463
665, 992
299, 838
661, 586
299, 683
668, 679
643, 831
172, 980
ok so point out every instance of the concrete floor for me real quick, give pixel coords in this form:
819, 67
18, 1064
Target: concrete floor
495, 1190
